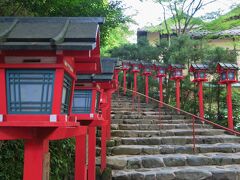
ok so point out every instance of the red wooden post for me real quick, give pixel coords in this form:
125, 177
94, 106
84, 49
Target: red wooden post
91, 153
124, 81
178, 93
34, 151
135, 84
103, 147
160, 91
146, 87
229, 105
200, 97
80, 158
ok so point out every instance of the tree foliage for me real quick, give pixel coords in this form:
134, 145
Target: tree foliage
113, 11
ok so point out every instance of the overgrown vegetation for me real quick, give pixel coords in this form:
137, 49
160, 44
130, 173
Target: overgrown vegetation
184, 50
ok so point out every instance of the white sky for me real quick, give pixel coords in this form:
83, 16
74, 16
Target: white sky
149, 13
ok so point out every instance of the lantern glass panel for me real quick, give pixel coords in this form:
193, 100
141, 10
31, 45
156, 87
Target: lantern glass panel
66, 94
178, 72
147, 70
82, 102
195, 75
30, 92
125, 66
161, 71
135, 67
202, 75
231, 75
223, 75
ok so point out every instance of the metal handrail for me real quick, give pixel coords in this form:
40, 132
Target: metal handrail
187, 113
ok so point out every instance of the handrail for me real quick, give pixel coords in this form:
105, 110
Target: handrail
187, 113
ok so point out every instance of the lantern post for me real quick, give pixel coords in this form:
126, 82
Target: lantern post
228, 76
160, 74
125, 68
135, 69
146, 67
200, 76
176, 74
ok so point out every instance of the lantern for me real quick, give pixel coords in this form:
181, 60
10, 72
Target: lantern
199, 72
86, 101
176, 74
38, 58
227, 72
125, 68
135, 69
200, 76
125, 65
176, 71
146, 72
160, 74
228, 76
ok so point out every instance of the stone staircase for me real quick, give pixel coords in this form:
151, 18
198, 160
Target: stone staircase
153, 145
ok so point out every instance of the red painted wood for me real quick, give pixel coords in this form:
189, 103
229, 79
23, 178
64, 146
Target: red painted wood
124, 81
91, 153
146, 87
229, 105
177, 93
135, 83
160, 91
80, 158
34, 151
15, 133
103, 147
57, 95
3, 93
200, 99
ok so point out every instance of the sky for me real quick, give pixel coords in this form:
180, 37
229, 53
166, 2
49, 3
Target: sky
150, 13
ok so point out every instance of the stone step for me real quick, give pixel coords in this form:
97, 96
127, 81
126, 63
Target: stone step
152, 121
144, 113
162, 126
171, 149
171, 160
116, 109
176, 140
164, 133
136, 116
226, 172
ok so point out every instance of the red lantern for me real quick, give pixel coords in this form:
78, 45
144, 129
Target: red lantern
176, 74
200, 76
228, 76
146, 72
160, 74
38, 64
135, 69
125, 68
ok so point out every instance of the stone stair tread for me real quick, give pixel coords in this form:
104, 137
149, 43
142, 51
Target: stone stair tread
170, 149
226, 172
171, 160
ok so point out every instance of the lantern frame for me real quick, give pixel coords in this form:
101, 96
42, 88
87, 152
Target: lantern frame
146, 68
125, 65
174, 69
135, 66
227, 68
22, 74
93, 111
158, 68
197, 69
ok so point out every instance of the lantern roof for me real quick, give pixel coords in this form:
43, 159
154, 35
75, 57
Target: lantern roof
225, 66
176, 66
195, 67
107, 64
49, 33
